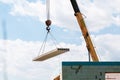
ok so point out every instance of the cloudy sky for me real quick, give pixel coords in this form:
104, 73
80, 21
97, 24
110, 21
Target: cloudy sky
25, 28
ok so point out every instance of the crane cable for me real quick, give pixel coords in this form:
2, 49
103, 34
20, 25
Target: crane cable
48, 9
42, 49
43, 45
48, 23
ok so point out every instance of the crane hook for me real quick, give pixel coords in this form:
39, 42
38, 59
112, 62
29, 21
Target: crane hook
48, 23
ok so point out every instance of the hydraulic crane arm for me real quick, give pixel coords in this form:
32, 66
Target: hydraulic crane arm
85, 33
84, 30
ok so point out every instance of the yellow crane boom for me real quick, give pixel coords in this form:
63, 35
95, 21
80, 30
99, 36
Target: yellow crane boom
84, 30
85, 33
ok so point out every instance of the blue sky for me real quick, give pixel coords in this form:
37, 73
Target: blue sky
25, 28
29, 28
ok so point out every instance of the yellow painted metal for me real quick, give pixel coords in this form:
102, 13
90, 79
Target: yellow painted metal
51, 54
86, 35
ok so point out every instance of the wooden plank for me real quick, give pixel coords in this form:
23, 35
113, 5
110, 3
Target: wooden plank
51, 54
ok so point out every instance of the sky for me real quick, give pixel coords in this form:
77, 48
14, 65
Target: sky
26, 31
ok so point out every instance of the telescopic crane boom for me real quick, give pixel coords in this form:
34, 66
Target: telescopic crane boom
85, 33
84, 30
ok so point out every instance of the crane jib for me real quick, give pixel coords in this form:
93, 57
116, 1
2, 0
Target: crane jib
75, 6
84, 30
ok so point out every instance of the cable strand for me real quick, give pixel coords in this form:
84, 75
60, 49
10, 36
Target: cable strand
54, 40
48, 9
43, 45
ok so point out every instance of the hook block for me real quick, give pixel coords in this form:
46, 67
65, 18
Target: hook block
48, 22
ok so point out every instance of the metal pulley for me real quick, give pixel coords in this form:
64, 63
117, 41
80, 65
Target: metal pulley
48, 23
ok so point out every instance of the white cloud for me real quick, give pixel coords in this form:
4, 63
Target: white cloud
26, 8
20, 54
99, 16
108, 46
100, 13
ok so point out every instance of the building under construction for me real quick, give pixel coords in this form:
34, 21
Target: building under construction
91, 70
